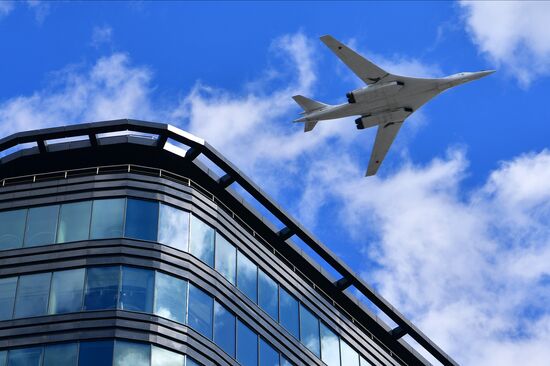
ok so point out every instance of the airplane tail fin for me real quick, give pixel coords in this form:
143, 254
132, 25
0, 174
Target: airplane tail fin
307, 104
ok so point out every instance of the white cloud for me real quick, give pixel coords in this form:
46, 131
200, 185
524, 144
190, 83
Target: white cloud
110, 89
513, 34
101, 35
470, 268
6, 7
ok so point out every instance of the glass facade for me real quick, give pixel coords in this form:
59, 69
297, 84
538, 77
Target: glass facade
247, 346
247, 277
200, 311
41, 225
74, 221
95, 353
201, 241
107, 218
226, 258
142, 290
66, 291
12, 228
32, 295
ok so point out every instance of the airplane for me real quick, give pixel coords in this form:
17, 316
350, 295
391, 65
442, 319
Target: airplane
386, 101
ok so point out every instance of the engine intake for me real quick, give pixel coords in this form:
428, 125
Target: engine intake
374, 92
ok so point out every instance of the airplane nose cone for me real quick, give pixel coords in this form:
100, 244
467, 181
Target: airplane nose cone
481, 74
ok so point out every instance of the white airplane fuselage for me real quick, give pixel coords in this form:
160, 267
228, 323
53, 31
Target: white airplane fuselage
405, 93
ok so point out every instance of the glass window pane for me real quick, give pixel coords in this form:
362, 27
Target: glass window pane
64, 354
7, 297
285, 361
330, 350
226, 258
289, 312
201, 243
137, 289
174, 227
74, 221
247, 277
32, 295
95, 353
41, 225
12, 228
309, 330
247, 345
349, 355
191, 362
268, 295
224, 329
67, 290
200, 311
163, 357
25, 356
107, 218
131, 354
170, 297
101, 288
3, 357
268, 355
141, 219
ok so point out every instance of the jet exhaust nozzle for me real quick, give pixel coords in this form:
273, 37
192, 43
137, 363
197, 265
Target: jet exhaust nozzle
351, 97
359, 124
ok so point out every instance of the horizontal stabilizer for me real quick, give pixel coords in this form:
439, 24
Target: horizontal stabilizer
310, 125
307, 104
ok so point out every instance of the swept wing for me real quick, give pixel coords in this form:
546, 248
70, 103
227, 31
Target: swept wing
363, 68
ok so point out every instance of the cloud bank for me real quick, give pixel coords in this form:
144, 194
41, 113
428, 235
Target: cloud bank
513, 34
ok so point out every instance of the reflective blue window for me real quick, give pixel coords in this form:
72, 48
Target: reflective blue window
200, 310
191, 362
7, 297
309, 330
268, 295
137, 289
95, 353
66, 291
201, 243
12, 228
131, 354
224, 329
107, 218
285, 361
247, 345
174, 227
226, 258
41, 225
163, 357
170, 297
247, 277
289, 312
141, 219
330, 350
349, 355
25, 356
3, 357
32, 295
268, 355
64, 354
74, 221
101, 288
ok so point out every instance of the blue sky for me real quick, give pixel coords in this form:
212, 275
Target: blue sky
453, 230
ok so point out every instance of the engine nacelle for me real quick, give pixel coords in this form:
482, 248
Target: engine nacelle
397, 115
374, 92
